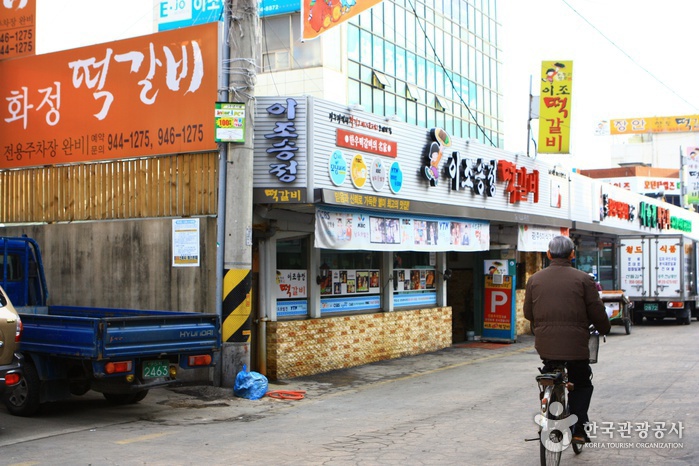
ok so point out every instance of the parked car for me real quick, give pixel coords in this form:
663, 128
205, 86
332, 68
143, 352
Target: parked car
10, 334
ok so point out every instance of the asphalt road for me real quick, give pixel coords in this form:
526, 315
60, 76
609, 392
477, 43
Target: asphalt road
469, 404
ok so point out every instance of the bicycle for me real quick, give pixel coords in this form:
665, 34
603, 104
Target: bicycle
556, 426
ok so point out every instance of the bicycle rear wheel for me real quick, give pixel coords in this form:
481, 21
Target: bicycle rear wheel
551, 442
549, 456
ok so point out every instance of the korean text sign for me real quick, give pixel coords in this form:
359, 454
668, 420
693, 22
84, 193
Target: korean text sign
147, 95
17, 28
555, 102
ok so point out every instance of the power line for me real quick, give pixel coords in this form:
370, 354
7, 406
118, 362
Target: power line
448, 75
614, 44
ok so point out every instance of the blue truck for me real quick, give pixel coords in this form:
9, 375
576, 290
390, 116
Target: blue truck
70, 350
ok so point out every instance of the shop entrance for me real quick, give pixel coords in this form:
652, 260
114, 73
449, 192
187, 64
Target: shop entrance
460, 298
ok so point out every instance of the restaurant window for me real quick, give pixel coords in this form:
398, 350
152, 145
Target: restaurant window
414, 278
350, 281
292, 278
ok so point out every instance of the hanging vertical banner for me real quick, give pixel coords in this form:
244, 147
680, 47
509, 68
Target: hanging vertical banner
690, 168
317, 16
555, 103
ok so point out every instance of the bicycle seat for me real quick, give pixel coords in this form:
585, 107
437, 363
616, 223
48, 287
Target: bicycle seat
555, 377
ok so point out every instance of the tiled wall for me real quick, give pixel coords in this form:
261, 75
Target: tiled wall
304, 347
522, 323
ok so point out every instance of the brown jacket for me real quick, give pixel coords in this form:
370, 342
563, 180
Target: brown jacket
561, 302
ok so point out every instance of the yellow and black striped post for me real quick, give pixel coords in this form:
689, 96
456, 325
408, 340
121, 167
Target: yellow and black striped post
237, 306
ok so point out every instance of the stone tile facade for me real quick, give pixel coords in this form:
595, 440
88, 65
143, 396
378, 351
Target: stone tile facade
533, 263
523, 327
304, 347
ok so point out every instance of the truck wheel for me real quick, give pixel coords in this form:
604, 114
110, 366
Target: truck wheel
79, 388
125, 398
24, 399
140, 396
686, 320
637, 318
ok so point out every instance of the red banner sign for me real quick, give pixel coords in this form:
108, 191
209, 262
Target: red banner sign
371, 144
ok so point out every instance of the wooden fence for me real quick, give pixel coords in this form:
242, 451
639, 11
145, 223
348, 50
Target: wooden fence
171, 186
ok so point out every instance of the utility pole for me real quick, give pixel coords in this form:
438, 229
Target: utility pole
236, 313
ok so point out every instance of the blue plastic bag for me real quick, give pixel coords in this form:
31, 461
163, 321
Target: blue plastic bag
251, 385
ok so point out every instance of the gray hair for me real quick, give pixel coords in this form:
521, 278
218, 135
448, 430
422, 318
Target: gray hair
561, 247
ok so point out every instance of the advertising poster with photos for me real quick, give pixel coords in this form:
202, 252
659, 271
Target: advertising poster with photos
336, 229
414, 279
349, 282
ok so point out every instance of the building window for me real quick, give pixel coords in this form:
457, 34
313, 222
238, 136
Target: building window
350, 281
438, 105
380, 80
292, 278
446, 49
280, 49
414, 279
411, 92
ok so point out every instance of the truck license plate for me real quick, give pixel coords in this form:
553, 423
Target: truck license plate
153, 369
650, 306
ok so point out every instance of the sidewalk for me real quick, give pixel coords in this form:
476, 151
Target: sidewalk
337, 381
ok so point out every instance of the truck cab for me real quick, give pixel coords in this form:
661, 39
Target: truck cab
22, 273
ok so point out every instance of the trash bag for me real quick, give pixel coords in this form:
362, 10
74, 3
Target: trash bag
251, 385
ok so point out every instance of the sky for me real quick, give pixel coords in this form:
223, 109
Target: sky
631, 58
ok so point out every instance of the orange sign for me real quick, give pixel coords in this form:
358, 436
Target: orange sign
674, 124
555, 103
147, 95
317, 16
17, 28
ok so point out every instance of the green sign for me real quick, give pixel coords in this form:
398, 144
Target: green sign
229, 122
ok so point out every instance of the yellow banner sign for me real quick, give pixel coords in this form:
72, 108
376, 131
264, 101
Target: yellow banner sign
672, 124
555, 102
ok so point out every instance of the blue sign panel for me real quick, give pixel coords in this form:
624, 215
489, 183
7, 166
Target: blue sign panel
278, 7
292, 308
174, 14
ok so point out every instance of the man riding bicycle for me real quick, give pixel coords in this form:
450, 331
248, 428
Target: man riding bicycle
561, 302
